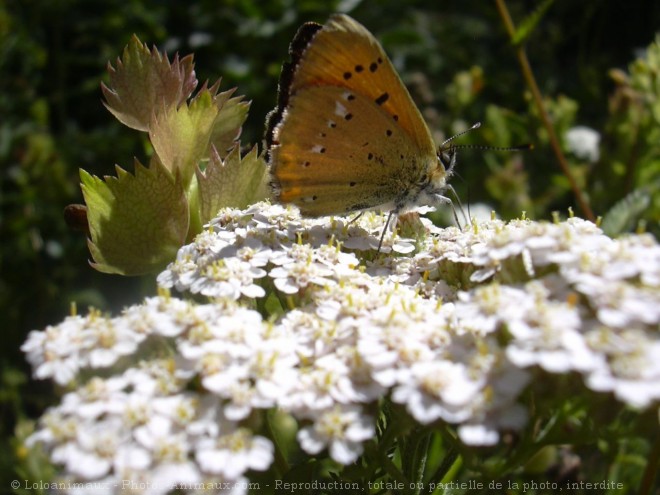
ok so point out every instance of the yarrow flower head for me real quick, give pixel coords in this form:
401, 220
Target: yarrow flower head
306, 316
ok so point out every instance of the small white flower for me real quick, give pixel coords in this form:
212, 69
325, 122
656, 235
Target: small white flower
230, 278
181, 271
292, 277
97, 443
130, 456
397, 244
437, 389
232, 454
169, 474
630, 364
156, 315
316, 334
342, 429
548, 335
243, 397
57, 352
108, 340
583, 142
478, 435
56, 428
321, 385
364, 232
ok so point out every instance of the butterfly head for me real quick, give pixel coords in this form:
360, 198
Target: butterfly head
447, 159
438, 172
433, 182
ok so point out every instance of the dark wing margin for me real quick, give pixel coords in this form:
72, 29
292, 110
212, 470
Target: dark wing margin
297, 48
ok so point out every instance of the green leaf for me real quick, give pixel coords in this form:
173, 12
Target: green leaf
136, 222
144, 81
529, 23
235, 182
181, 136
623, 215
227, 129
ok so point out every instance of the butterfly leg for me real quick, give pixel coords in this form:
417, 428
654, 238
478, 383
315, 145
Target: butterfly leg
387, 223
446, 200
353, 220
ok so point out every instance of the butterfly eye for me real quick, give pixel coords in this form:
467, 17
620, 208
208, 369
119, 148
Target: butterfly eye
447, 158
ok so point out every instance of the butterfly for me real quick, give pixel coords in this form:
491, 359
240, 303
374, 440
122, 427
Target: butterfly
346, 135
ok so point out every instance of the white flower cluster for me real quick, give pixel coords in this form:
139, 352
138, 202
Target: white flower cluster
145, 426
450, 325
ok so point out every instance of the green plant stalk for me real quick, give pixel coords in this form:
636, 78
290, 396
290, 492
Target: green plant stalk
652, 468
281, 464
528, 74
388, 466
381, 449
450, 459
419, 462
195, 222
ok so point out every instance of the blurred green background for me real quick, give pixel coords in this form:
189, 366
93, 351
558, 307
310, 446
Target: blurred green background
453, 55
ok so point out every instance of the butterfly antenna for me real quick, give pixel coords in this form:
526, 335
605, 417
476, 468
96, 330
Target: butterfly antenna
483, 147
450, 139
476, 125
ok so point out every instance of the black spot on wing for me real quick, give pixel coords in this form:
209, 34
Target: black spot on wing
382, 99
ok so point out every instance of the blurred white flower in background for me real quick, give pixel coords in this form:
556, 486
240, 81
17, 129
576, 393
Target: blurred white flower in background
583, 142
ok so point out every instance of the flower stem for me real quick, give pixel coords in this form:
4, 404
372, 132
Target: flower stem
419, 463
528, 74
651, 470
447, 463
281, 464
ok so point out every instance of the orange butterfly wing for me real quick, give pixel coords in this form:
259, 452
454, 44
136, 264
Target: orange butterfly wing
339, 152
340, 70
